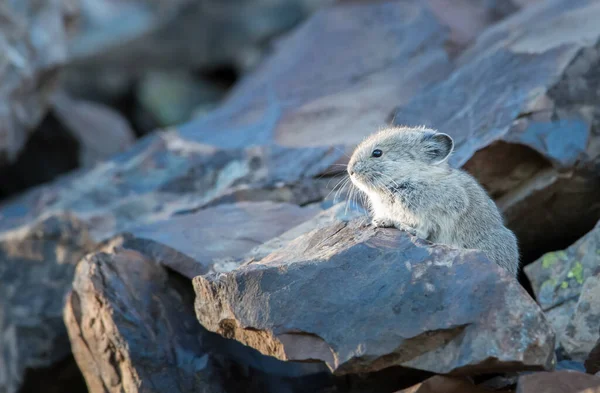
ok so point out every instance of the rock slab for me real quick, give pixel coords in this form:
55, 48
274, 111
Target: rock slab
132, 329
376, 298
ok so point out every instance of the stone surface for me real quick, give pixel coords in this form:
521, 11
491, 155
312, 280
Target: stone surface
33, 39
165, 174
346, 69
583, 330
161, 176
132, 329
558, 382
522, 108
375, 298
334, 214
174, 35
212, 239
520, 103
557, 278
100, 131
36, 270
442, 384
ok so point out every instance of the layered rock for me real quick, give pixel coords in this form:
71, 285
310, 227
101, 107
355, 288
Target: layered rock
558, 382
36, 270
214, 239
521, 107
160, 177
132, 329
557, 279
376, 298
583, 330
34, 39
166, 174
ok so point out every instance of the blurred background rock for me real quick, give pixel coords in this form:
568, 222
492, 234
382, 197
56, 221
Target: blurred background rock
146, 144
74, 67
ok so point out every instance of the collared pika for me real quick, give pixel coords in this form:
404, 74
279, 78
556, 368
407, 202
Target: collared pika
409, 184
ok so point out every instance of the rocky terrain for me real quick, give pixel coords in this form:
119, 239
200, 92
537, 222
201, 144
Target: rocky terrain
201, 241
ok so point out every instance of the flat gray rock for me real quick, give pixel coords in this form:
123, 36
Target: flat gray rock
213, 239
362, 299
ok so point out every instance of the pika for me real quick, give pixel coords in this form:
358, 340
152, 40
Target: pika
409, 185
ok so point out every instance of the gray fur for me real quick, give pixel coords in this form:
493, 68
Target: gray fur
412, 187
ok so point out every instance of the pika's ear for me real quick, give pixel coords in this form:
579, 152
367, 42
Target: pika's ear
438, 147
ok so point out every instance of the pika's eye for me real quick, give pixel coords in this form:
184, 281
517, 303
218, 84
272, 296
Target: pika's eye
376, 153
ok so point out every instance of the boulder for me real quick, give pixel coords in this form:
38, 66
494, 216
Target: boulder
34, 41
377, 298
559, 382
521, 106
132, 329
213, 239
557, 278
36, 270
161, 176
583, 330
165, 174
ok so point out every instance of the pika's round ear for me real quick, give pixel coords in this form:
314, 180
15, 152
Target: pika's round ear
438, 147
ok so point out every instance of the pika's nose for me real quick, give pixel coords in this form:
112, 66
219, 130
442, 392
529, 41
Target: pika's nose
351, 172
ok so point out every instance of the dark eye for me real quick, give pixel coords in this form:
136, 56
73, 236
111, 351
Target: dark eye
376, 153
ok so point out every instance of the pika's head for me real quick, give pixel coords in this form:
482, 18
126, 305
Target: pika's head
395, 154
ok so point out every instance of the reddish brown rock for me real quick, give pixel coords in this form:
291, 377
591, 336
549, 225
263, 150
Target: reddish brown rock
132, 329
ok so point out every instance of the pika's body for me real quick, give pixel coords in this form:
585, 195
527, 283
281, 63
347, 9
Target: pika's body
410, 186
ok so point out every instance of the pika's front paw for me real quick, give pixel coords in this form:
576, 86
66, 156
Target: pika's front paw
382, 223
408, 229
